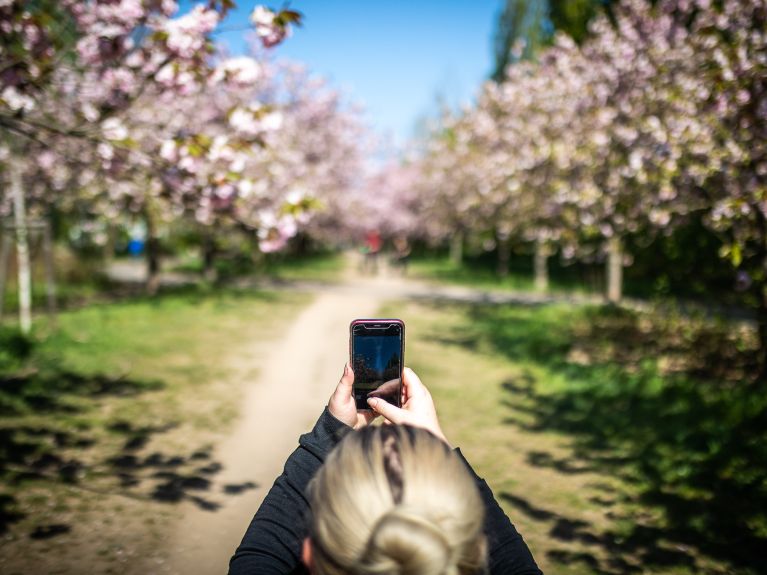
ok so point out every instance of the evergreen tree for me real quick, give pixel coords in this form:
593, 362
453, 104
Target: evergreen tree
526, 26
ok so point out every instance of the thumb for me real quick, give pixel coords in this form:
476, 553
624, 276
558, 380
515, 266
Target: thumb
347, 380
389, 411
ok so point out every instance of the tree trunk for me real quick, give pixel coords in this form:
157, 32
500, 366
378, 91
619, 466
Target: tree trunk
208, 256
50, 273
761, 319
111, 245
302, 244
456, 248
614, 270
503, 254
22, 251
540, 265
152, 251
5, 256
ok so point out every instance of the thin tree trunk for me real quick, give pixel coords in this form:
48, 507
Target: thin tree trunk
762, 327
614, 270
5, 256
301, 243
22, 251
540, 264
456, 248
152, 250
50, 275
256, 255
109, 248
503, 254
761, 316
208, 256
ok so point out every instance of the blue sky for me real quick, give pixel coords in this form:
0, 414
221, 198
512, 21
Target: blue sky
396, 58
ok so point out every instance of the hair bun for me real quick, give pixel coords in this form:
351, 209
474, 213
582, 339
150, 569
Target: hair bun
404, 542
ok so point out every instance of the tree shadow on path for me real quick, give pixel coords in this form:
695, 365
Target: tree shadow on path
52, 451
634, 394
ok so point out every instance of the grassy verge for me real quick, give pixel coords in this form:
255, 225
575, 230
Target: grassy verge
617, 442
118, 408
327, 267
323, 267
480, 274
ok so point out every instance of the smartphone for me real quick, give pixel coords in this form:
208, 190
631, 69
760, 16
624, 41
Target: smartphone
377, 351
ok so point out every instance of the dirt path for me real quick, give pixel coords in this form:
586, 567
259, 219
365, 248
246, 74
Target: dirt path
294, 384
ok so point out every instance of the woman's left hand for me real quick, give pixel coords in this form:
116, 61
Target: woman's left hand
342, 405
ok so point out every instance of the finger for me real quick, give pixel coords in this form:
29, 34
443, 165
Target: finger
390, 412
347, 380
368, 416
411, 383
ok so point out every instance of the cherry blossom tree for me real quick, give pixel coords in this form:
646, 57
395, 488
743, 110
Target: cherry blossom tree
729, 40
89, 87
594, 141
658, 114
638, 128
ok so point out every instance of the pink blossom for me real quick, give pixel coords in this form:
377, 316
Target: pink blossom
244, 121
268, 29
271, 121
188, 34
16, 100
114, 129
241, 71
169, 151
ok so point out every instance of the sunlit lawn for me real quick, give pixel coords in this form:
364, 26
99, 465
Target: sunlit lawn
327, 267
481, 274
321, 267
617, 442
123, 399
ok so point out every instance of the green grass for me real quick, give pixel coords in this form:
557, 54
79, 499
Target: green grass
326, 267
67, 295
481, 274
617, 442
125, 398
322, 267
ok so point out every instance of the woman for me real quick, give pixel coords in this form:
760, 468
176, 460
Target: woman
393, 499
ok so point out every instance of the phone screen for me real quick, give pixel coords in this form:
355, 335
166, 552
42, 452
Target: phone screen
377, 350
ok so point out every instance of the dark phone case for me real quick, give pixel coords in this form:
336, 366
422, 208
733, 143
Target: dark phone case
362, 404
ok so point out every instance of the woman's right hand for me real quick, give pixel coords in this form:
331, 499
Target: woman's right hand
417, 408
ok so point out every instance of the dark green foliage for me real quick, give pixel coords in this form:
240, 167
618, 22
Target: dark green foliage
523, 27
573, 16
14, 348
531, 25
684, 264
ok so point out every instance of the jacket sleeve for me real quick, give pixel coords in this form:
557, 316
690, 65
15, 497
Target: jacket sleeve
272, 542
508, 553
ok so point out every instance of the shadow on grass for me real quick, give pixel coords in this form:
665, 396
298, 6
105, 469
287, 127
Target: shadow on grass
53, 451
662, 403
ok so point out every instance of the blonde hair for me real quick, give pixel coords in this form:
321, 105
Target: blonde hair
395, 500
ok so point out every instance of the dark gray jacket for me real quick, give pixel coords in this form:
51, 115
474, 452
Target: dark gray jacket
272, 543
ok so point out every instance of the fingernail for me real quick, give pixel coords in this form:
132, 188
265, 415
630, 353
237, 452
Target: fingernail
346, 368
372, 401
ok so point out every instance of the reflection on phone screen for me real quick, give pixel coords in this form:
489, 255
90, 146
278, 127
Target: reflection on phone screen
377, 364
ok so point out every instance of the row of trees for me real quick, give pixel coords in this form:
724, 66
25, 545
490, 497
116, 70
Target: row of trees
117, 110
657, 117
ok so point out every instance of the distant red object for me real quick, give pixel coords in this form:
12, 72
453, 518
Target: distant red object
373, 242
